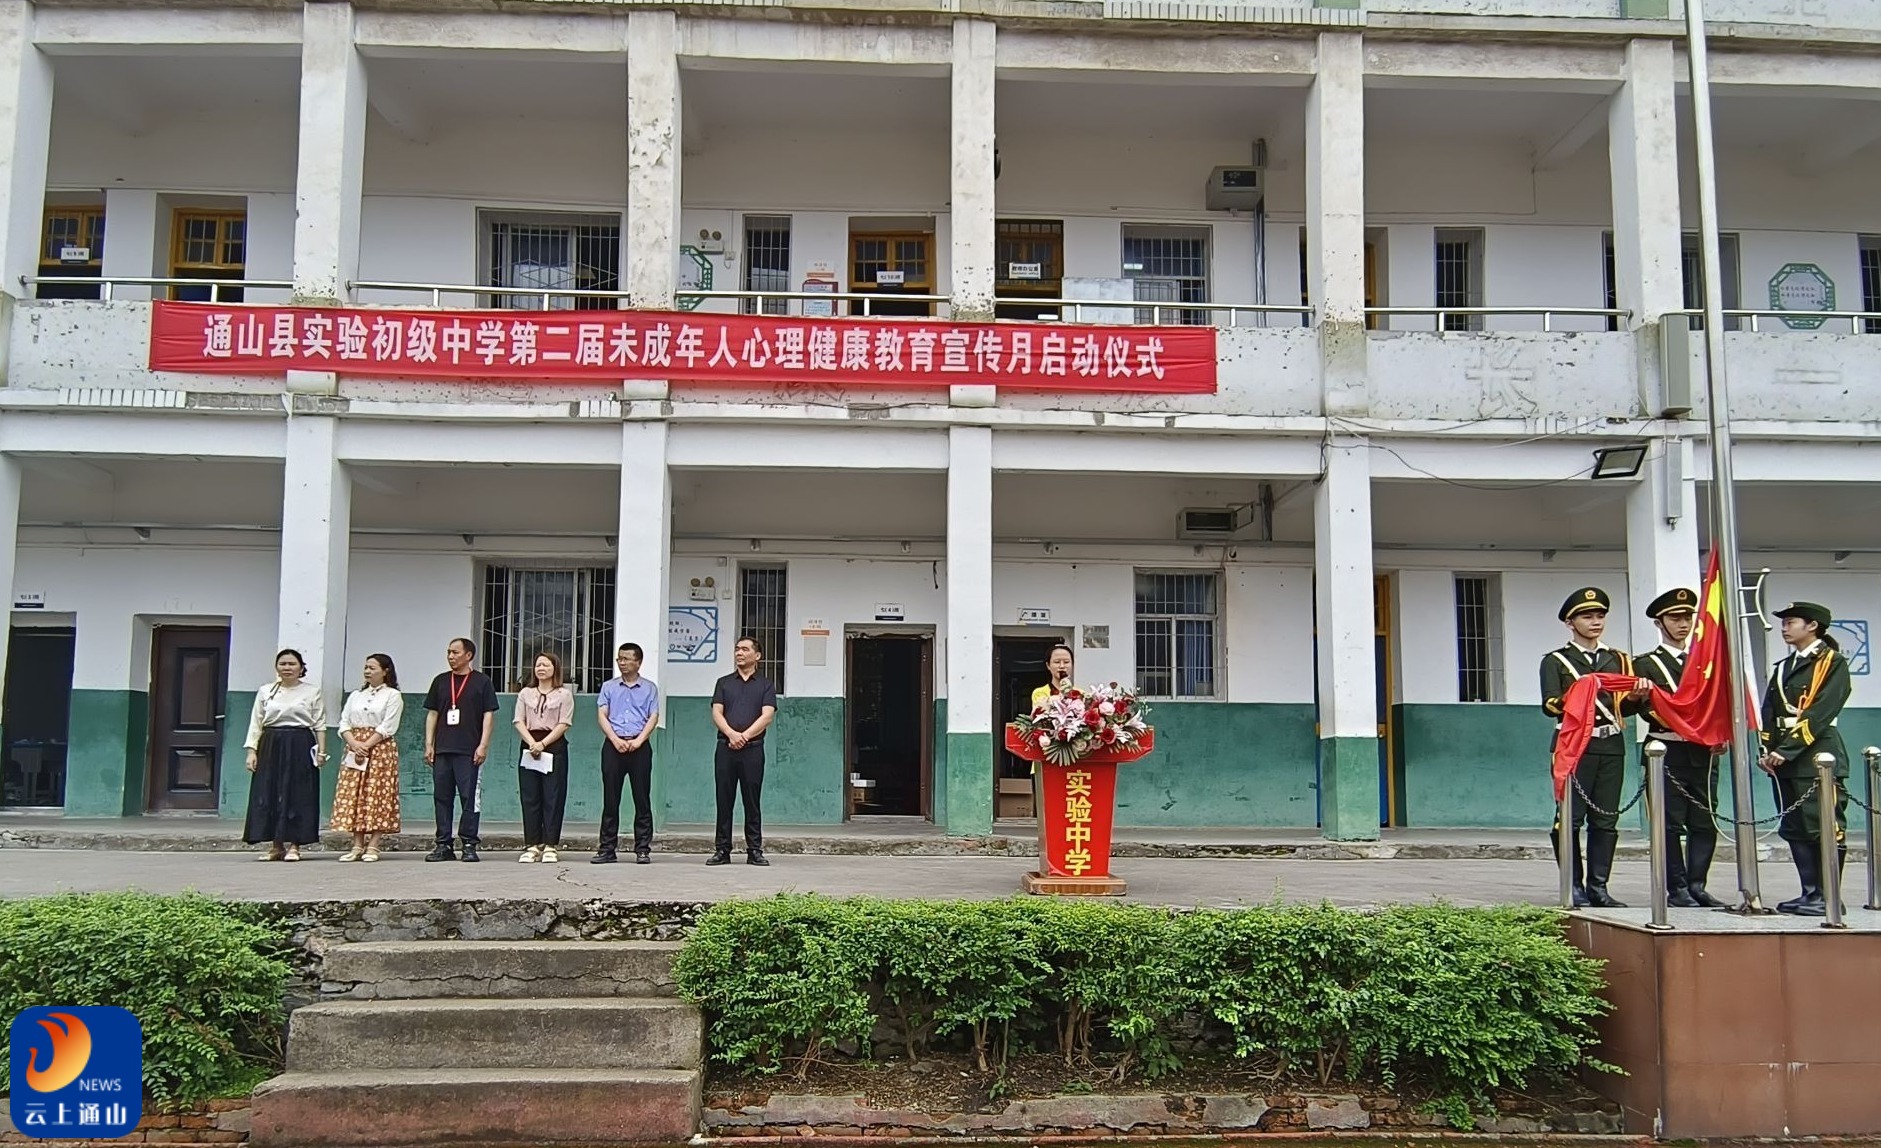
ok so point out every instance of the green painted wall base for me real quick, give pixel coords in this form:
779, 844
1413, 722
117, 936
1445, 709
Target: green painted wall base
1224, 764
969, 785
1348, 781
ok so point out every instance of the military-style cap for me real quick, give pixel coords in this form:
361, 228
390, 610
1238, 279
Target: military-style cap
1583, 600
1673, 602
1808, 612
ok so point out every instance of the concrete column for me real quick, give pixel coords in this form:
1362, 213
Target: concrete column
643, 560
970, 725
327, 188
1661, 537
971, 211
1346, 644
25, 137
1335, 218
1642, 133
131, 221
316, 545
9, 545
653, 155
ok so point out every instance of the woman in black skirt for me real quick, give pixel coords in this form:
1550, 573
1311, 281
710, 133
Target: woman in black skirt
286, 747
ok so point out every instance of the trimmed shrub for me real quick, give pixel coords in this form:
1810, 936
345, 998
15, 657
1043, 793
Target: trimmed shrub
205, 984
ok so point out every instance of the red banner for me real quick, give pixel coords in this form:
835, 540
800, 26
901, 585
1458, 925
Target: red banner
609, 346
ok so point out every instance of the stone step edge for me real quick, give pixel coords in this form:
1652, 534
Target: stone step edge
419, 1077
341, 1006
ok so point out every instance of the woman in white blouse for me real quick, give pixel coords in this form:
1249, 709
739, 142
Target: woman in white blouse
285, 752
544, 711
365, 803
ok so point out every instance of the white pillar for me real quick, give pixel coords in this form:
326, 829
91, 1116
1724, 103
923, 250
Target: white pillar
332, 154
644, 545
971, 211
25, 139
316, 537
9, 546
1346, 643
970, 631
1642, 134
1661, 536
1335, 217
653, 155
130, 248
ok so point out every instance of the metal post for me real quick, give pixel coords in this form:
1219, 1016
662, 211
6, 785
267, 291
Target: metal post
1724, 495
1655, 827
1831, 848
1872, 757
1564, 845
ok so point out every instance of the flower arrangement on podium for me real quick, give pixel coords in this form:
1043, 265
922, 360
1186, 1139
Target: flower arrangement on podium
1076, 740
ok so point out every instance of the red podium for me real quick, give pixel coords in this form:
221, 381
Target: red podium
1077, 803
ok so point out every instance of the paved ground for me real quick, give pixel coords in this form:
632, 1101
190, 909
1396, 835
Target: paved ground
677, 877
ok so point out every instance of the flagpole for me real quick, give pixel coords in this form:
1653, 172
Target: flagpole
1744, 744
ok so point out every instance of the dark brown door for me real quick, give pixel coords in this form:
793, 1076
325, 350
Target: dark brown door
189, 680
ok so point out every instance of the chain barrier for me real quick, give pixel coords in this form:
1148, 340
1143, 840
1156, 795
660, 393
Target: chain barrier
1842, 784
1589, 802
1719, 819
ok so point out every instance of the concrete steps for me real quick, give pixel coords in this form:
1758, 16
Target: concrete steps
488, 1042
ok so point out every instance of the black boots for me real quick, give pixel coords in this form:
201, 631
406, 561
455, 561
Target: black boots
1809, 869
1580, 885
1601, 845
1698, 854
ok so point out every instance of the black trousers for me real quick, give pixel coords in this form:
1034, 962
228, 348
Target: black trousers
1804, 823
739, 772
1691, 833
454, 775
1601, 773
544, 796
637, 769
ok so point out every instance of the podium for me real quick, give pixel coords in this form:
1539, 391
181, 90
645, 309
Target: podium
1077, 804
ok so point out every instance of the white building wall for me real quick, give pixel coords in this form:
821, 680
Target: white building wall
409, 606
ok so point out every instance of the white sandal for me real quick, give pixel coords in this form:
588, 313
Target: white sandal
548, 856
531, 854
352, 854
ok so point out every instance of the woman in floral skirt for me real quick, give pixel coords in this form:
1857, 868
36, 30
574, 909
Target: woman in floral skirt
365, 803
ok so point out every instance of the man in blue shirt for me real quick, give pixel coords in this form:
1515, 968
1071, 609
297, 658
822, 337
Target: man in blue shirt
629, 712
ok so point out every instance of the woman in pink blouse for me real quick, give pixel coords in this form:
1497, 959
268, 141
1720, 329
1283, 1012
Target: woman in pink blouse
544, 712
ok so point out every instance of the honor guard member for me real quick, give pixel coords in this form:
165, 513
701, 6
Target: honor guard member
1691, 833
1807, 692
1602, 769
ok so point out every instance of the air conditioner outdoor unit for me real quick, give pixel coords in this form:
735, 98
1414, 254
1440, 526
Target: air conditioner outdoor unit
1210, 522
1234, 189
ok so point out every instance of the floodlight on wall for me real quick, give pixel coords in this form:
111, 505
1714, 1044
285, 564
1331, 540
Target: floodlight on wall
1619, 461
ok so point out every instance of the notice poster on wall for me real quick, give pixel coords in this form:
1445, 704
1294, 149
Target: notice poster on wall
692, 634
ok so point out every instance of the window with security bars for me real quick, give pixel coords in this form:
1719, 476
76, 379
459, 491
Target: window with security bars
534, 254
1479, 638
1168, 265
767, 262
762, 601
1460, 275
1692, 272
564, 611
1177, 618
1871, 281
75, 230
208, 245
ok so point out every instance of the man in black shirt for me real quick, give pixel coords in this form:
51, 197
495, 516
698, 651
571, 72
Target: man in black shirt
743, 706
460, 712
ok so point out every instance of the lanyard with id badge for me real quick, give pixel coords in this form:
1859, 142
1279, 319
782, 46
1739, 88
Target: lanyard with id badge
454, 716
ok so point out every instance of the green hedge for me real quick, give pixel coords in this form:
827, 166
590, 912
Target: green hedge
1456, 1001
205, 983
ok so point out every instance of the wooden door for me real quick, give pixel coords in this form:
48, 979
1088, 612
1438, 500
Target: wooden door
189, 679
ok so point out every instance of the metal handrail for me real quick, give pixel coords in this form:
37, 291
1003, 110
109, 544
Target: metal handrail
106, 283
1547, 313
1859, 322
1156, 309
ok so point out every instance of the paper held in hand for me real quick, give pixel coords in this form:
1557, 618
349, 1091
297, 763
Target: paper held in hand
543, 764
354, 761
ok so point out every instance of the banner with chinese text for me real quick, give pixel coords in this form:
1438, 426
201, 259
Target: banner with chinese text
609, 346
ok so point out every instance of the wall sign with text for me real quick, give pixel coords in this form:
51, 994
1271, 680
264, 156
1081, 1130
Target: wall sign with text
609, 346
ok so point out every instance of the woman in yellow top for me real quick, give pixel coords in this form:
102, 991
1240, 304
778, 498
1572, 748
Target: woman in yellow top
1058, 663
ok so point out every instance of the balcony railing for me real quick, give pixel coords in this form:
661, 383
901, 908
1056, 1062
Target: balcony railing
1548, 314
107, 284
1859, 322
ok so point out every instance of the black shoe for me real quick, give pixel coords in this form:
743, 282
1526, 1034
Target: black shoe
1808, 872
642, 857
756, 857
603, 857
719, 859
1580, 897
441, 853
470, 853
1704, 899
1681, 898
1599, 898
1817, 906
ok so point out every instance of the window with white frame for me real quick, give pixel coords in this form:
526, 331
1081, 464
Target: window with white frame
536, 253
1692, 272
1167, 265
1178, 617
767, 262
1871, 281
1479, 672
763, 602
565, 611
1460, 275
